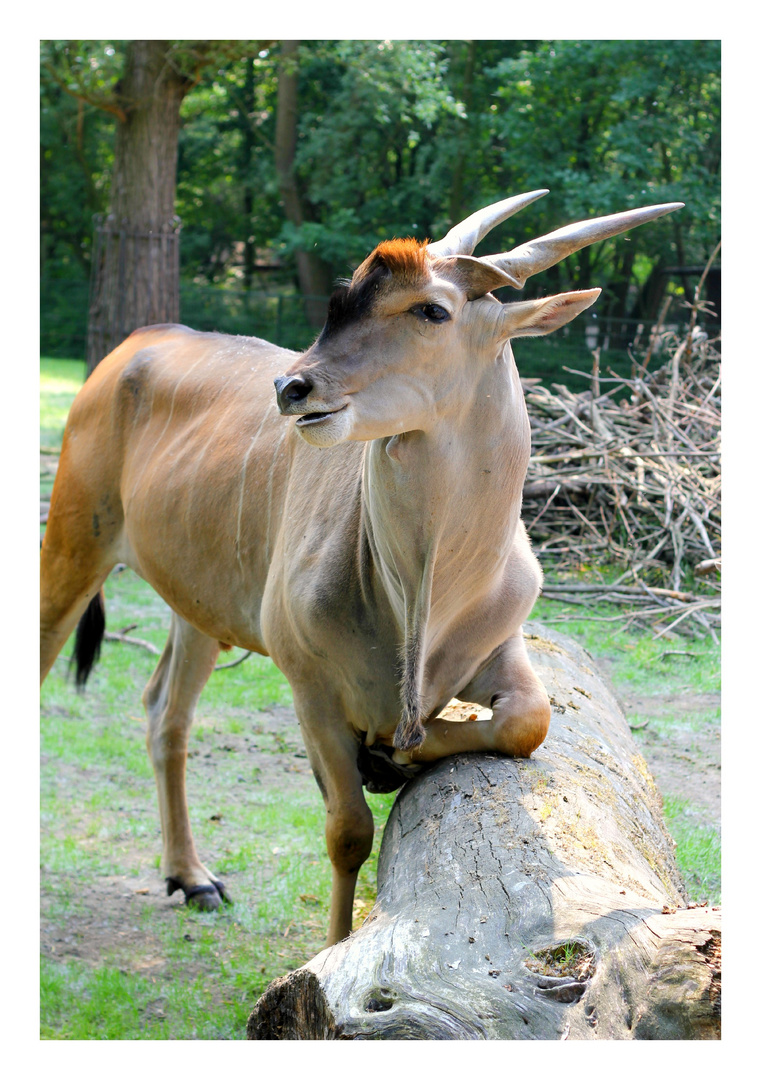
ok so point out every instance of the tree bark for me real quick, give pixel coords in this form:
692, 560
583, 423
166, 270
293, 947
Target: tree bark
135, 273
456, 211
247, 156
313, 274
145, 154
534, 899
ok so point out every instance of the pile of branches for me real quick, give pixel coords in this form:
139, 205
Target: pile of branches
629, 470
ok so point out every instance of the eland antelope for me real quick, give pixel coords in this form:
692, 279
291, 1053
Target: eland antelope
361, 526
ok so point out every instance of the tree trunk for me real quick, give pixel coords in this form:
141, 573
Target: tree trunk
314, 275
650, 296
247, 157
456, 211
534, 899
135, 273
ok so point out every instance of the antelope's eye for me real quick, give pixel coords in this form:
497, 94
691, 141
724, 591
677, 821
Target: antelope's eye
431, 312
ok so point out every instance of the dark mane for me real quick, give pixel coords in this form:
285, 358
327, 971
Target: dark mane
350, 301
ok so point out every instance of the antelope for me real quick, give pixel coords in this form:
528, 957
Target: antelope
361, 526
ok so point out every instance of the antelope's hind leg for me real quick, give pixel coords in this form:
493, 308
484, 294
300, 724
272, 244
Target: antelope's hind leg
70, 580
170, 700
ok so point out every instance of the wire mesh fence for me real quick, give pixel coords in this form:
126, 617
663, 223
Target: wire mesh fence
63, 317
282, 318
277, 317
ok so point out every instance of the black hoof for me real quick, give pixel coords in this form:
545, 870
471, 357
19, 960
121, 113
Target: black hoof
200, 897
223, 893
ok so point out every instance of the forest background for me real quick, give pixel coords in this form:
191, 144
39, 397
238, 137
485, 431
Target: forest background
379, 138
295, 159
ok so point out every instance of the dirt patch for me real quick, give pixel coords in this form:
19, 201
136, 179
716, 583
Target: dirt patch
271, 744
107, 920
683, 754
685, 761
126, 919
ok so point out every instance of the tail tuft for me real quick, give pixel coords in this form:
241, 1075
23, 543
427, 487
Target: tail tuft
409, 733
90, 632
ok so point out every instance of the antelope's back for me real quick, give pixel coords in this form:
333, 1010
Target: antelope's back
169, 386
170, 443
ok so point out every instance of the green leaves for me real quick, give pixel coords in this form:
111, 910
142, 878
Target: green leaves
405, 138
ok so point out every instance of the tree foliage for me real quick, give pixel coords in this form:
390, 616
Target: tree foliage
76, 153
607, 125
403, 138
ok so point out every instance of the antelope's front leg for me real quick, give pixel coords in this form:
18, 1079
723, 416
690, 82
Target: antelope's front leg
519, 702
507, 685
349, 821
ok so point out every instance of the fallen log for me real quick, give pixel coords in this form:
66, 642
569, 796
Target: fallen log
533, 899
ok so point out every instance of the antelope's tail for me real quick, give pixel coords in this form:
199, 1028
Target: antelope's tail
88, 640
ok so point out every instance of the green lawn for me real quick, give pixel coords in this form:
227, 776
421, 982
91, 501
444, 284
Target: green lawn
158, 970
100, 825
59, 382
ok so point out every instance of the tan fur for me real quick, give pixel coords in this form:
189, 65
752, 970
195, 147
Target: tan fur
390, 527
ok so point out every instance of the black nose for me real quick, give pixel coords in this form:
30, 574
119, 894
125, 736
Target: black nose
291, 390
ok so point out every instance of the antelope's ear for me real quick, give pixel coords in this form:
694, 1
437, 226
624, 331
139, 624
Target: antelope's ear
531, 318
476, 277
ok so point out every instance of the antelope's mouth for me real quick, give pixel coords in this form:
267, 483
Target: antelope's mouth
312, 418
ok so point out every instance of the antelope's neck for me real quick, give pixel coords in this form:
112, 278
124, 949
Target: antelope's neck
441, 506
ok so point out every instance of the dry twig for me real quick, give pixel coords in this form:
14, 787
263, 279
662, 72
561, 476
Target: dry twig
122, 636
633, 470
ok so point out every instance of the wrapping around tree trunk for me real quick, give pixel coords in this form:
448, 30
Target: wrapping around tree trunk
135, 281
521, 899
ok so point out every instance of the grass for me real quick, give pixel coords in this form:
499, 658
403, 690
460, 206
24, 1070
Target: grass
636, 658
267, 845
111, 1003
571, 959
59, 382
120, 960
698, 851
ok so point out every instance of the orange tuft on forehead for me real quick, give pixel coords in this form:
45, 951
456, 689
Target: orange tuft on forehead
406, 259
